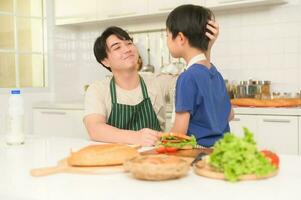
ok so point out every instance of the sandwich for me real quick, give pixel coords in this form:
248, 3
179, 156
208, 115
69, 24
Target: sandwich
171, 142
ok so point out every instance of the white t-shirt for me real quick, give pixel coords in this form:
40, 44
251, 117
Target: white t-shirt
98, 96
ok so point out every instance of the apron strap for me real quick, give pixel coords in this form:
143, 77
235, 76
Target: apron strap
144, 89
113, 91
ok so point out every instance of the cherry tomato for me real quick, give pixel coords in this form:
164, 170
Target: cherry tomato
272, 157
161, 149
171, 149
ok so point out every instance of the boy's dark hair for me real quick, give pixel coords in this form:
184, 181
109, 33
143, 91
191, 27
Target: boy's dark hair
191, 20
100, 44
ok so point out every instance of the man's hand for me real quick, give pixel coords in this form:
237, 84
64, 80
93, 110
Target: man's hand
147, 137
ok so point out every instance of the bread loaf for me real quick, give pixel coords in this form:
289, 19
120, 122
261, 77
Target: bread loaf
102, 155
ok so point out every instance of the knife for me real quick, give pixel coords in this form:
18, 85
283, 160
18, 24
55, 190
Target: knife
198, 158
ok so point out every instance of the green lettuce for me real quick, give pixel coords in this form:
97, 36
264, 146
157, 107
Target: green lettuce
236, 156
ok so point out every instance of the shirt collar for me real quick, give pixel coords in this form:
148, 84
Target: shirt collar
195, 59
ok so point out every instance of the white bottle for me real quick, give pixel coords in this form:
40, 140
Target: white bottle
15, 133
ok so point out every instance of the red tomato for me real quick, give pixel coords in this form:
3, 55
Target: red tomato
272, 157
171, 149
161, 149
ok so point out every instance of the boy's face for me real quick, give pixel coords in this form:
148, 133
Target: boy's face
173, 45
121, 54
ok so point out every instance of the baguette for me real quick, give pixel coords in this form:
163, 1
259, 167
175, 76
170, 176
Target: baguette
102, 155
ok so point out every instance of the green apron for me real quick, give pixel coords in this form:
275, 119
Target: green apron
134, 117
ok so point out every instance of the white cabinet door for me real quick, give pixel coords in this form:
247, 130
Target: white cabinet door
240, 121
278, 133
224, 4
159, 6
74, 11
58, 122
299, 134
120, 8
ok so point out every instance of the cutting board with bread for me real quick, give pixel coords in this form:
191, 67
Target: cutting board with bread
191, 153
249, 102
93, 159
177, 145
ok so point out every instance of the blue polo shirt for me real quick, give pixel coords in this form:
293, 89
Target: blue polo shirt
202, 92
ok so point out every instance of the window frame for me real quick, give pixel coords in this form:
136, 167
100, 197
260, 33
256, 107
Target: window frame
16, 51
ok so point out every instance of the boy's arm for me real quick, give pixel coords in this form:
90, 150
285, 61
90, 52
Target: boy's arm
181, 123
212, 34
167, 84
100, 131
231, 115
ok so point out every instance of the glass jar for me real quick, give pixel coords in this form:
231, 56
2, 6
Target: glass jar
241, 89
266, 90
252, 89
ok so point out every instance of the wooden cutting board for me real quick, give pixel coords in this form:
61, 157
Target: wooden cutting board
63, 167
203, 169
184, 152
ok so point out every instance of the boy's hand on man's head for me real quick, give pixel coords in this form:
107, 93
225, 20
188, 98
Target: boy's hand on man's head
212, 34
212, 31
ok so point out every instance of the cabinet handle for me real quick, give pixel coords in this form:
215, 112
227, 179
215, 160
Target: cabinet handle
53, 113
122, 14
166, 9
228, 1
277, 120
236, 119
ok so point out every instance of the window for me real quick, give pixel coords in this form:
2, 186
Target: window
22, 44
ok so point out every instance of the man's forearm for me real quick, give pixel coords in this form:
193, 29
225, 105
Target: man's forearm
105, 133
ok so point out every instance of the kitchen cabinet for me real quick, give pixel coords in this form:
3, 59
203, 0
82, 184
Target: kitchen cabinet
74, 11
278, 133
240, 121
119, 8
228, 4
156, 6
82, 11
299, 136
59, 122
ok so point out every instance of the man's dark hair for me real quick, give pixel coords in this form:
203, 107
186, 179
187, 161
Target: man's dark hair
100, 44
191, 20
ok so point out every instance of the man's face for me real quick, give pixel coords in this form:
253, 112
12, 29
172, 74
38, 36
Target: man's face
122, 54
172, 45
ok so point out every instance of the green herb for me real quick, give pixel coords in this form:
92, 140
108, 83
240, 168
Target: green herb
239, 156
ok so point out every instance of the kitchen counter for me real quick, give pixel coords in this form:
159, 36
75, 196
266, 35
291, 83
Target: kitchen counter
79, 105
293, 111
16, 182
70, 105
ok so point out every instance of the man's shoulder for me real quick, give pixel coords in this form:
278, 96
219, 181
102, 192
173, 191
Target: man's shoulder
100, 84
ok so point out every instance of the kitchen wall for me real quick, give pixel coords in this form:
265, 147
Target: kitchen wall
260, 42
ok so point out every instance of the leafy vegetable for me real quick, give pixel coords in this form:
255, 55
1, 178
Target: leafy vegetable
239, 156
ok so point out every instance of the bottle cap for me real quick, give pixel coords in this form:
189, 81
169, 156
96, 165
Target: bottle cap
15, 91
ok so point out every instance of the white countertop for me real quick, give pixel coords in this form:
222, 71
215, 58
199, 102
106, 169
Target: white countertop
16, 182
293, 111
79, 105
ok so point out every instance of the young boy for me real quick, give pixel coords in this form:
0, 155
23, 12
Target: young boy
202, 105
